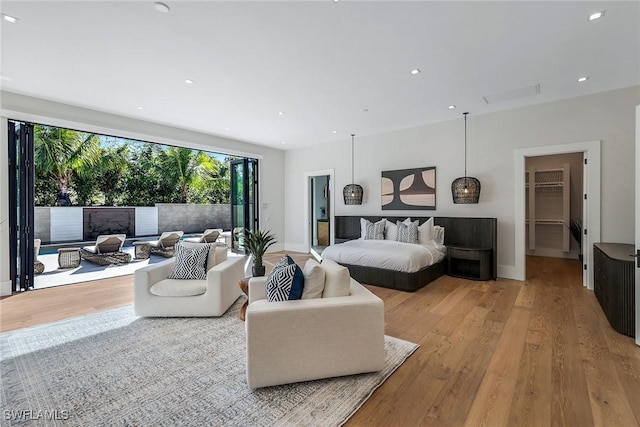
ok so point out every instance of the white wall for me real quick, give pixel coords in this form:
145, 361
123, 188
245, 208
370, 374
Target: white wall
492, 138
27, 108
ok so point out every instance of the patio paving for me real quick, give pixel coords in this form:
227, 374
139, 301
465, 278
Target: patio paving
87, 271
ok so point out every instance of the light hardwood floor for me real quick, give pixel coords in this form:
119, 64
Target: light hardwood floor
503, 353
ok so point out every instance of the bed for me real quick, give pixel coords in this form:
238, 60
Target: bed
388, 271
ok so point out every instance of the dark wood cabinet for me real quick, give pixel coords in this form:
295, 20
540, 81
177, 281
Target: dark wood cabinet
614, 284
469, 263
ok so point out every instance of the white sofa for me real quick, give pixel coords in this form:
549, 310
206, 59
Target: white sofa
157, 296
308, 339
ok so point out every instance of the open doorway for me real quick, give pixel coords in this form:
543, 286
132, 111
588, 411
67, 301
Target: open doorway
319, 212
590, 150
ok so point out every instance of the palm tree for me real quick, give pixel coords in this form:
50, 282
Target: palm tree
185, 167
59, 152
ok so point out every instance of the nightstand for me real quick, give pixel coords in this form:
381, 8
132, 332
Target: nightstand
469, 263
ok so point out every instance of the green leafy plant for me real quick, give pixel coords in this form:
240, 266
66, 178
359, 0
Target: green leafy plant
257, 242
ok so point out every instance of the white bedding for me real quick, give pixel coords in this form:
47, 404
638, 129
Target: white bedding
386, 254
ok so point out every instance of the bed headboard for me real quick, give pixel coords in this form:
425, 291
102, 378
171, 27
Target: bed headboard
471, 232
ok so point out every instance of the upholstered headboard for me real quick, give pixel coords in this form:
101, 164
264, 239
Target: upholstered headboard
468, 232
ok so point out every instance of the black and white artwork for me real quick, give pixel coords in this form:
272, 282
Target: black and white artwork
409, 189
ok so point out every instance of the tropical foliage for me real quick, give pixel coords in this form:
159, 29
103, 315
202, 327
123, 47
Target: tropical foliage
98, 170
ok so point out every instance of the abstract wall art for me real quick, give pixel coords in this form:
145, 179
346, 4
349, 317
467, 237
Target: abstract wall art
409, 189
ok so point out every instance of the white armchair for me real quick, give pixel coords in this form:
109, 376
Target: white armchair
308, 339
157, 296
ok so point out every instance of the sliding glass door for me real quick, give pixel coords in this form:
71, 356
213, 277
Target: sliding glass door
21, 204
244, 199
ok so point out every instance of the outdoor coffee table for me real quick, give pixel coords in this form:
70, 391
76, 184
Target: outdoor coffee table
68, 257
142, 250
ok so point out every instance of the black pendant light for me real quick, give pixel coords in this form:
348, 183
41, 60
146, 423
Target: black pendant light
465, 189
352, 192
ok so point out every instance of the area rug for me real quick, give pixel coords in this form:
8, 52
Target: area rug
113, 368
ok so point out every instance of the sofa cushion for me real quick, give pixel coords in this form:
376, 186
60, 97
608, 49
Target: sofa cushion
285, 282
337, 282
179, 288
313, 280
190, 263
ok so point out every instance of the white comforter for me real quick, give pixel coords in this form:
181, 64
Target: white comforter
386, 254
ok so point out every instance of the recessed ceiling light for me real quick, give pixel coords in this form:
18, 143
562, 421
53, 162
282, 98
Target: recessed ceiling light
334, 131
596, 15
140, 108
6, 79
227, 128
161, 7
189, 81
583, 79
281, 113
9, 18
282, 142
451, 107
415, 71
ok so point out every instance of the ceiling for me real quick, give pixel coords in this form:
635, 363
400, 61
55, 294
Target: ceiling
328, 66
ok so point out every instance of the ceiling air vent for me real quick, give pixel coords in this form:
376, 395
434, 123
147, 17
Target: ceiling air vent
512, 94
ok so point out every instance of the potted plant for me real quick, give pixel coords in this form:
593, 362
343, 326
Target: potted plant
257, 242
575, 226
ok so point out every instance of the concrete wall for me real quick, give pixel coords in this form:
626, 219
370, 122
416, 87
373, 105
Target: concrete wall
193, 218
69, 223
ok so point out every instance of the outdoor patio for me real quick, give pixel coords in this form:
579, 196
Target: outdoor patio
88, 271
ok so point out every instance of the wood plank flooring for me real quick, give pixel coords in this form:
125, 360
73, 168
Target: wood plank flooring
503, 353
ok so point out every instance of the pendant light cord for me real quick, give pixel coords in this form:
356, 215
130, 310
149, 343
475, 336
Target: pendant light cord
352, 136
465, 144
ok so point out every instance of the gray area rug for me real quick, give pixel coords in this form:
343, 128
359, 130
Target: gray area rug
113, 368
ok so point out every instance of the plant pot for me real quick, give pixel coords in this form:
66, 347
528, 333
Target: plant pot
258, 271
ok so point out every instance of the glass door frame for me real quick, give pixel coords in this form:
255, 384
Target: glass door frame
21, 204
244, 184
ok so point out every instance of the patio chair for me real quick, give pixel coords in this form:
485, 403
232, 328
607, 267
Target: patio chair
210, 235
107, 250
38, 266
166, 245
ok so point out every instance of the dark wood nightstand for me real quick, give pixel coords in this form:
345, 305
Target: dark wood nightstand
469, 263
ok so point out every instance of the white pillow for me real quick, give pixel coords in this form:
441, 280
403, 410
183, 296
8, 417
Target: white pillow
313, 280
425, 232
337, 282
438, 234
390, 230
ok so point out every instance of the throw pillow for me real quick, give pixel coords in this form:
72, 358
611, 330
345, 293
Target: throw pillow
425, 232
390, 230
407, 233
285, 282
375, 231
337, 281
438, 234
190, 263
211, 257
313, 280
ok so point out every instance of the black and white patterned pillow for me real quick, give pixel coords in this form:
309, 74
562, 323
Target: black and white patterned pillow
279, 283
190, 263
285, 284
407, 233
375, 231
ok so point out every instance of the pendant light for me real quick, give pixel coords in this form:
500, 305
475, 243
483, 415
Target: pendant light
465, 189
352, 192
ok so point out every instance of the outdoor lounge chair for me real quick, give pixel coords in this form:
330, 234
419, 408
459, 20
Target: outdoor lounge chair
38, 266
210, 235
166, 245
107, 250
